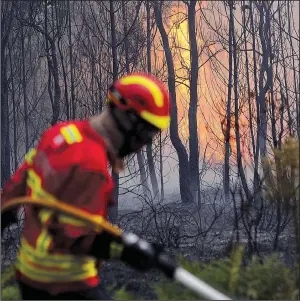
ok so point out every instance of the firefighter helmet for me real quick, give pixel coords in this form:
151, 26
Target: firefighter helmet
144, 94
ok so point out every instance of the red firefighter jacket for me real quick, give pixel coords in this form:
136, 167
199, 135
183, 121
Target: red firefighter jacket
70, 164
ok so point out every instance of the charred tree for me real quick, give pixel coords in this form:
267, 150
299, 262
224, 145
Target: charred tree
193, 123
114, 210
7, 11
140, 158
228, 110
151, 164
184, 174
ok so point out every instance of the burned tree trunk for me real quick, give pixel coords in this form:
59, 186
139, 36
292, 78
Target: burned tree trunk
114, 210
151, 165
228, 114
24, 88
140, 158
73, 116
193, 125
236, 108
184, 174
256, 153
265, 69
6, 22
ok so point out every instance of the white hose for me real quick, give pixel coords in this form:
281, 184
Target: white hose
198, 286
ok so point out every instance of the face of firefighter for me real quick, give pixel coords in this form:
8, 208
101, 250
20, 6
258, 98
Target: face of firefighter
135, 131
123, 132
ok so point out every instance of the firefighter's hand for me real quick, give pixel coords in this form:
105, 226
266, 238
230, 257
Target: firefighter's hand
138, 253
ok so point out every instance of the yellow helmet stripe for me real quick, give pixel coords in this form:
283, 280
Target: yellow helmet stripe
149, 84
161, 122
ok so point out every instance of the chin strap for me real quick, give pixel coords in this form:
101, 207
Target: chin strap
97, 223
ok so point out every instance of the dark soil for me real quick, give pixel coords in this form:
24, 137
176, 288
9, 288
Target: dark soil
116, 275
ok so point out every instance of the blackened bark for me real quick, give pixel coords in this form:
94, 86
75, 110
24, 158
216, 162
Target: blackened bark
193, 125
184, 176
114, 210
140, 158
256, 153
73, 103
6, 22
264, 30
236, 107
228, 115
24, 87
151, 165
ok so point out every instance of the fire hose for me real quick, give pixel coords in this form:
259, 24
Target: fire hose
98, 223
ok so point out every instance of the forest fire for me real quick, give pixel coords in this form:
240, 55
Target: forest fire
210, 119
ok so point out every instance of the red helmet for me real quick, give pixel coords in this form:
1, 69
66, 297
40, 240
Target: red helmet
146, 95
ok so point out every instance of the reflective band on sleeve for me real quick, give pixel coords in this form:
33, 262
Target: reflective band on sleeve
71, 134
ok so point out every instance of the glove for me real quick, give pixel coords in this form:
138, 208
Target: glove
138, 253
128, 248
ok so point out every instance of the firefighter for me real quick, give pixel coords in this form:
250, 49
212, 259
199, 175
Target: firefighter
59, 256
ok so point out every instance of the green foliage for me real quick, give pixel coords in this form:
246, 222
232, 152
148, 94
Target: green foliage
282, 176
270, 280
9, 289
122, 294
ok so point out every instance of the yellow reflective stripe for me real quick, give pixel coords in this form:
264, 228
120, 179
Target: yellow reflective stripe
71, 134
37, 274
33, 180
61, 268
45, 215
71, 221
36, 265
29, 156
35, 183
115, 250
43, 242
54, 258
